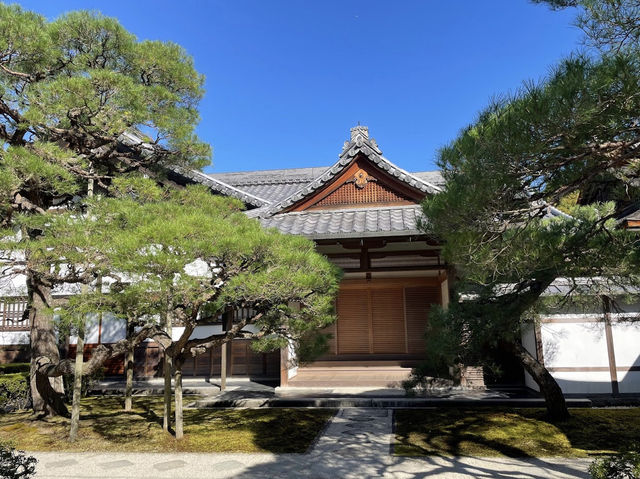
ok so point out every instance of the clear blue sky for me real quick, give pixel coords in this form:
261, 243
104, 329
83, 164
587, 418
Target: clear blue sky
285, 80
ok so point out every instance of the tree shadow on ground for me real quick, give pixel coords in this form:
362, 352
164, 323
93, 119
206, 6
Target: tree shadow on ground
272, 430
363, 466
520, 432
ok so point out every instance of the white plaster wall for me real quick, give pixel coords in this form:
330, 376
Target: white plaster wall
14, 337
574, 345
626, 344
92, 330
629, 381
584, 382
113, 329
208, 330
198, 333
13, 285
529, 343
584, 345
292, 370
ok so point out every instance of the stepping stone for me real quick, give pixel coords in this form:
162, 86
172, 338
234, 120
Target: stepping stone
227, 465
116, 464
65, 463
354, 424
166, 466
360, 419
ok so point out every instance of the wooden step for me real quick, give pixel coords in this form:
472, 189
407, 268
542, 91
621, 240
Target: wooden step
401, 363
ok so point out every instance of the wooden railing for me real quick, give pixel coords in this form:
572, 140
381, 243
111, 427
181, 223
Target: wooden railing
12, 314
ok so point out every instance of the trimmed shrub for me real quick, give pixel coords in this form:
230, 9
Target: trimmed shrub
16, 464
13, 368
625, 465
15, 392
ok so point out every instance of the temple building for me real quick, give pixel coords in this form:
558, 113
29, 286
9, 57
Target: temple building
363, 212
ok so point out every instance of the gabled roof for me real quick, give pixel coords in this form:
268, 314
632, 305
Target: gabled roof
276, 185
360, 145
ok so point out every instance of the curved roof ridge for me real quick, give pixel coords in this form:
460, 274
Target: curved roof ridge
222, 187
359, 144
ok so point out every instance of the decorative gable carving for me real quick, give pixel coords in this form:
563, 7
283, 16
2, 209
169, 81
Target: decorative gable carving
367, 192
361, 178
360, 185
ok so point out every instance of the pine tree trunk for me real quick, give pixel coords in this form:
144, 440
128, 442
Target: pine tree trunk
178, 399
129, 366
47, 393
554, 399
77, 386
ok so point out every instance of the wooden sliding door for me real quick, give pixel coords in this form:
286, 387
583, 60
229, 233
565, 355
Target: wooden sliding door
383, 317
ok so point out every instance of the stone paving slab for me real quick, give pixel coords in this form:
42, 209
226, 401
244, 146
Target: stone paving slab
354, 445
316, 466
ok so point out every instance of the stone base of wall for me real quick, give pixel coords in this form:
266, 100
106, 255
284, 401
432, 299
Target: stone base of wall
15, 353
472, 377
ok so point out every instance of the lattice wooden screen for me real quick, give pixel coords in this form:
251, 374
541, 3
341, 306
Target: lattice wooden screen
371, 193
11, 314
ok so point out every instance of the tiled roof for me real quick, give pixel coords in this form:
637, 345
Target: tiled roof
276, 185
360, 144
280, 189
318, 224
220, 187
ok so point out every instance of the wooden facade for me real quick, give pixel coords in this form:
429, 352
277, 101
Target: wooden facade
382, 318
148, 360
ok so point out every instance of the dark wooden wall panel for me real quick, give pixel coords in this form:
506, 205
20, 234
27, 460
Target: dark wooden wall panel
353, 323
387, 313
418, 301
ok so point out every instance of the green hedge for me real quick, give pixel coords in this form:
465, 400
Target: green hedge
12, 368
14, 391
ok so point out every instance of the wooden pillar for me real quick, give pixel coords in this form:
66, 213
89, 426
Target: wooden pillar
284, 366
223, 367
613, 369
227, 324
444, 292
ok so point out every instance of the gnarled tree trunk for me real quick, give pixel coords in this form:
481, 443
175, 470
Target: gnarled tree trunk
47, 392
554, 399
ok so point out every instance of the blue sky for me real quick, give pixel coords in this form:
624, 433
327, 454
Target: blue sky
285, 80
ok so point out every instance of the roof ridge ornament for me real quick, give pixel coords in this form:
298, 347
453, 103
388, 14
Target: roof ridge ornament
360, 141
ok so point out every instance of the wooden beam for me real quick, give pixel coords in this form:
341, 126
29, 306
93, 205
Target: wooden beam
431, 267
387, 239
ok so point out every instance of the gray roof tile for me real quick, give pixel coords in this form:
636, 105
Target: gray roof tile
387, 221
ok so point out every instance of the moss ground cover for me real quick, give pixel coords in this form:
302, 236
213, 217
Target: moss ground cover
514, 432
106, 427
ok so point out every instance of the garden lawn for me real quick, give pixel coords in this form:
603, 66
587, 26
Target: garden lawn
514, 432
104, 426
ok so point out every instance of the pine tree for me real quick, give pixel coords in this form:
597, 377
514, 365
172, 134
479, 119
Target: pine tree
575, 135
194, 256
72, 91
